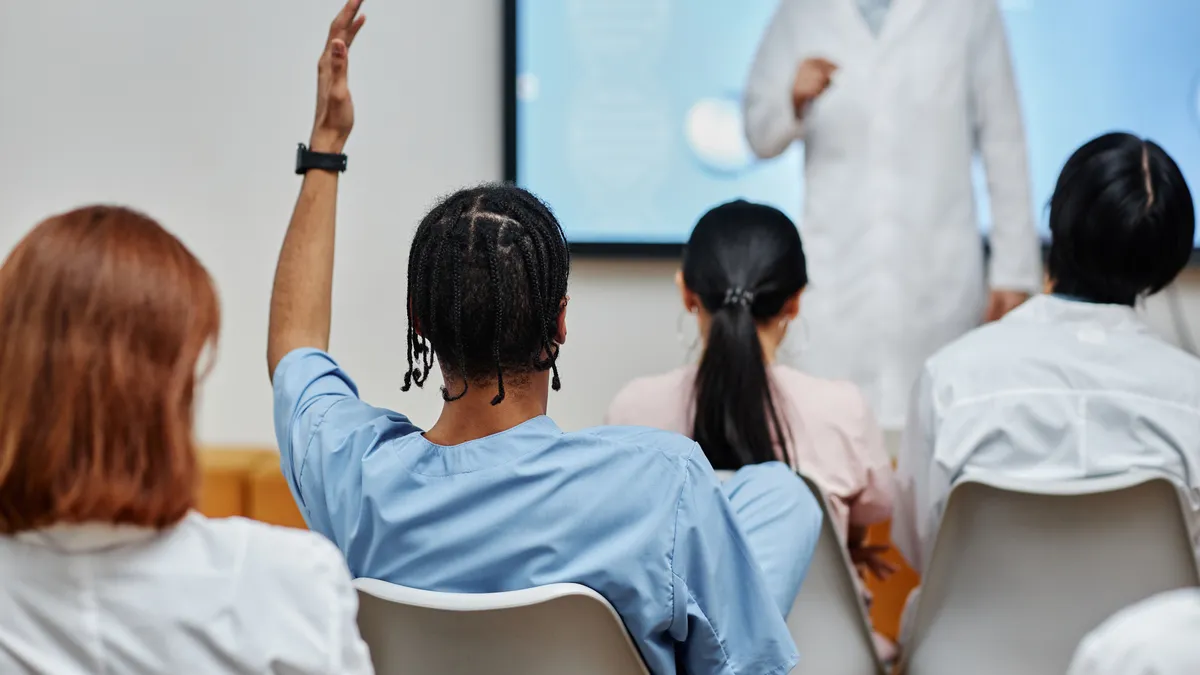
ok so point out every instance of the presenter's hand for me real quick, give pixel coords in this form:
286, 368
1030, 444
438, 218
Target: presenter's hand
812, 79
335, 109
1003, 302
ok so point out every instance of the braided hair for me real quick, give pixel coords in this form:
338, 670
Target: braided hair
487, 274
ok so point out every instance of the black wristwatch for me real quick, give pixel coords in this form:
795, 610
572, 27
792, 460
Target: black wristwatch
327, 161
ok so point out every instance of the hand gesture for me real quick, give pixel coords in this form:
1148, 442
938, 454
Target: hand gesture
335, 110
812, 79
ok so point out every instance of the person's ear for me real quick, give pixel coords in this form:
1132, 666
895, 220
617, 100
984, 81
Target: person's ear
560, 331
691, 301
791, 307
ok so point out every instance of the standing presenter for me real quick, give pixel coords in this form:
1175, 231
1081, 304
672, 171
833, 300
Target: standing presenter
892, 100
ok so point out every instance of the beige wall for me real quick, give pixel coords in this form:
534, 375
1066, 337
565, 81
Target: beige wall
191, 111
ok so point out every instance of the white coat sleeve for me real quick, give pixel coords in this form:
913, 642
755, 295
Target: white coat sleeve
913, 507
1000, 141
770, 117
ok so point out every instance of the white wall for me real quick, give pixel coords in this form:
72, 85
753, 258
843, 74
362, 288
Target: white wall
191, 111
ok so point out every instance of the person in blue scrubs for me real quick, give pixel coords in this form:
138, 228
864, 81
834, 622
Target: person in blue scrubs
494, 496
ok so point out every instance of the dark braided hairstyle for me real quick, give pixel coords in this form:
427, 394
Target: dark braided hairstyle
487, 275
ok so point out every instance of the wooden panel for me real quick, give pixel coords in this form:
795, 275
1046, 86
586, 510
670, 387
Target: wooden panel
223, 484
246, 482
270, 499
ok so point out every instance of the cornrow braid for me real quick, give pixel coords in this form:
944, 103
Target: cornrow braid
535, 285
459, 350
416, 341
561, 258
492, 246
495, 252
426, 271
452, 221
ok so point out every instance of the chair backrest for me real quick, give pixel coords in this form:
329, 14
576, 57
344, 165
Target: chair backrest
828, 620
1022, 570
547, 630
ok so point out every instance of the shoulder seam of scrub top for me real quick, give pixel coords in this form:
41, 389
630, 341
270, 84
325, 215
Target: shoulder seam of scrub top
312, 436
675, 535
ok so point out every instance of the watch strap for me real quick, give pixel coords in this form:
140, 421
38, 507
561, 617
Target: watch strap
326, 161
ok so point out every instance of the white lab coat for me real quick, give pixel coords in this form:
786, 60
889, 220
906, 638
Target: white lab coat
1159, 636
206, 596
1057, 390
890, 228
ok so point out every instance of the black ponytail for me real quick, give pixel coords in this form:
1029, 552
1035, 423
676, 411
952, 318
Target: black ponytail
744, 261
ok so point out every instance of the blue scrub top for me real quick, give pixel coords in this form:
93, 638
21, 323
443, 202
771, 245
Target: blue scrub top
635, 514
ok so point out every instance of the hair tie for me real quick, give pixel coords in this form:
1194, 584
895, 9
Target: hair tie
738, 296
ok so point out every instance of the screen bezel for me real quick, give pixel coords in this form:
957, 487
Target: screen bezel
511, 170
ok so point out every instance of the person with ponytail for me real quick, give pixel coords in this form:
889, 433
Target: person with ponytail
494, 496
743, 275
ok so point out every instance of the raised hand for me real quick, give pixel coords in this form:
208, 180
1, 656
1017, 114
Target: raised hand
335, 109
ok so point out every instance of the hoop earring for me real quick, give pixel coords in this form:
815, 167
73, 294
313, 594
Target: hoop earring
689, 346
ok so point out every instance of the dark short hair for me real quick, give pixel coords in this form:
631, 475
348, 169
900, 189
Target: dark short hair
1122, 222
105, 316
487, 275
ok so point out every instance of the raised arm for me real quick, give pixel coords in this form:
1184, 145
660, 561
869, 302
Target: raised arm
302, 295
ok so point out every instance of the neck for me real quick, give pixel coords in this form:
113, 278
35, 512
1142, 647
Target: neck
1080, 297
473, 416
770, 338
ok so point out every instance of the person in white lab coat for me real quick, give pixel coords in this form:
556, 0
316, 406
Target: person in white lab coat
104, 568
1159, 636
1072, 384
892, 100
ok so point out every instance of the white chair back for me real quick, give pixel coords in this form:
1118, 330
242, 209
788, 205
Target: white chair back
828, 620
548, 630
1022, 570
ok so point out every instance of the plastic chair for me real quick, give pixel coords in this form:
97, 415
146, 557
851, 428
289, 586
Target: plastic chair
1022, 570
828, 620
548, 630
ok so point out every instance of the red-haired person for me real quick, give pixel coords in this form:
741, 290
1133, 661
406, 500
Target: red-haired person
104, 567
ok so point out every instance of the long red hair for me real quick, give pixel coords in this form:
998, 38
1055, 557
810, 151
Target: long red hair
104, 316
